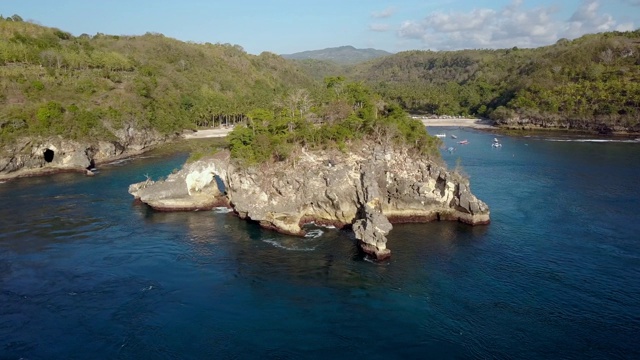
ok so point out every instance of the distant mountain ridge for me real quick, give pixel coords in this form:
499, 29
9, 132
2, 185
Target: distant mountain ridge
342, 55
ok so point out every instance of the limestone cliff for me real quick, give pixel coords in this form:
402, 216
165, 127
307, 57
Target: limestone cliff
558, 122
194, 187
35, 156
368, 190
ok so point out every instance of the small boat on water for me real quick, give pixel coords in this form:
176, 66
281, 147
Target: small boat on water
453, 136
463, 142
451, 149
441, 135
496, 145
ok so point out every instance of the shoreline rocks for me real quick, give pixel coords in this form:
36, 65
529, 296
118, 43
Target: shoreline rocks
552, 123
366, 191
42, 156
192, 188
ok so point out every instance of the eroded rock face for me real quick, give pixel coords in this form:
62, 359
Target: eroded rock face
30, 156
558, 122
194, 187
368, 190
372, 226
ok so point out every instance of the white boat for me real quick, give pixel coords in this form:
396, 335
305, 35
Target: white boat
496, 145
441, 135
453, 136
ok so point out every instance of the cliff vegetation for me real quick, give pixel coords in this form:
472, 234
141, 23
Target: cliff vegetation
343, 116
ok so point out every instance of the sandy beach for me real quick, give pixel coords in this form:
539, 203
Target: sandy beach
473, 123
209, 133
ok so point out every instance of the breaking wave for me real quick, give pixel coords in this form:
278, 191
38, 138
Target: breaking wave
291, 245
314, 234
313, 223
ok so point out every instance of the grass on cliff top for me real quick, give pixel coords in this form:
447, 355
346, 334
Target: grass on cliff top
200, 148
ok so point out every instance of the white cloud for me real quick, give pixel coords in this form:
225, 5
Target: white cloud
379, 27
386, 13
475, 20
512, 25
625, 27
587, 19
412, 30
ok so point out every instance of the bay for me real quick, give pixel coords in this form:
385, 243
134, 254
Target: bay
86, 273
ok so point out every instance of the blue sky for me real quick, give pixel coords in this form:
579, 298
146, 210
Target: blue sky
287, 26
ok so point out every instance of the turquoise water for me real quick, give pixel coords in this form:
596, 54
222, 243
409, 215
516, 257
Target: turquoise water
85, 273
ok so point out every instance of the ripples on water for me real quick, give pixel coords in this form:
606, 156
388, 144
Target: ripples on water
84, 273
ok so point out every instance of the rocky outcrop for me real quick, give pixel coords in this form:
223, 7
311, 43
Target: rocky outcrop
37, 156
366, 190
603, 126
194, 187
372, 225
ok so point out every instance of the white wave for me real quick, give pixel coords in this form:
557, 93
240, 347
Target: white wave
147, 288
281, 245
313, 223
221, 210
314, 234
119, 162
369, 259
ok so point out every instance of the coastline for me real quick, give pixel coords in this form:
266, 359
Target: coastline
51, 170
208, 133
465, 122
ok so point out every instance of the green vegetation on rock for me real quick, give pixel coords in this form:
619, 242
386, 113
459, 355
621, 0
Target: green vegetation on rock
343, 116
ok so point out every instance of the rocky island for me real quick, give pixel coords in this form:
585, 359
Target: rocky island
367, 190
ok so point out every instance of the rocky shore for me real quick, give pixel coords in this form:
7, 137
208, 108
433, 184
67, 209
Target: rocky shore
366, 191
557, 123
41, 156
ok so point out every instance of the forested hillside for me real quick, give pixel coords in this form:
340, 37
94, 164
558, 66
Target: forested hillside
590, 83
88, 87
84, 87
342, 55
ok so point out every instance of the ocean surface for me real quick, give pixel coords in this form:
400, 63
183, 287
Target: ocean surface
87, 274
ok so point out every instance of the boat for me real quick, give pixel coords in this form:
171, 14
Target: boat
463, 142
453, 136
496, 145
495, 140
441, 135
451, 149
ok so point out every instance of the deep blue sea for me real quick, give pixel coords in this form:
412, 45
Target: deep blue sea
87, 274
